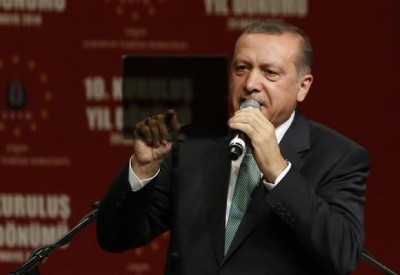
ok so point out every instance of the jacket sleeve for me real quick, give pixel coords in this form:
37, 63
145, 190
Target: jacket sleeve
324, 207
128, 219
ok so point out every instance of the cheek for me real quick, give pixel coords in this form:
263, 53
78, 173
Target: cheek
280, 99
234, 83
234, 93
234, 101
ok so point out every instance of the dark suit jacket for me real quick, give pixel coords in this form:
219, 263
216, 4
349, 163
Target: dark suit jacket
310, 223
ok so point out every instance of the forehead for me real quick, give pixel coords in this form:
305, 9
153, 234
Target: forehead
264, 47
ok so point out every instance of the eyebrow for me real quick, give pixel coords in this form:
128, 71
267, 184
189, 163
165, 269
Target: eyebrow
264, 64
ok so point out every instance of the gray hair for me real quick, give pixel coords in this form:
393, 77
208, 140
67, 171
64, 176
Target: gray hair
305, 58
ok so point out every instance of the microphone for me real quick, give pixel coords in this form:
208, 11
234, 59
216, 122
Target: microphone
238, 144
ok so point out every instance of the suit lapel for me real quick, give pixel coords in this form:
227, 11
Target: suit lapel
296, 140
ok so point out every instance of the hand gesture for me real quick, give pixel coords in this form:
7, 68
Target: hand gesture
152, 142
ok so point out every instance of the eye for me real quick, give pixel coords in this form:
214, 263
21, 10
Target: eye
272, 75
240, 69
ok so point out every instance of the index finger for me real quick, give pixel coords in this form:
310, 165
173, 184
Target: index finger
172, 121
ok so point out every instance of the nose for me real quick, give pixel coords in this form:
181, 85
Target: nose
253, 81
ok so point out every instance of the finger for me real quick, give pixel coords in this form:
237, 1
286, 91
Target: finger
137, 132
158, 129
240, 117
143, 131
172, 121
248, 115
162, 128
154, 125
247, 120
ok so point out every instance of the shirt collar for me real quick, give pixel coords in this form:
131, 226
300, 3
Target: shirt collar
281, 129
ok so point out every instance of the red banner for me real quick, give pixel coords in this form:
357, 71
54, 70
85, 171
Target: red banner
61, 138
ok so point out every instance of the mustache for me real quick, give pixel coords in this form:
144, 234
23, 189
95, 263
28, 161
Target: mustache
262, 100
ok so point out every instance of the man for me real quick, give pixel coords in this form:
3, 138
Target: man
305, 215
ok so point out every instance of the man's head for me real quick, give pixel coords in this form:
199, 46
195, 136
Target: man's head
272, 65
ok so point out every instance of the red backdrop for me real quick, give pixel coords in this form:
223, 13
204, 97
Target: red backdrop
60, 85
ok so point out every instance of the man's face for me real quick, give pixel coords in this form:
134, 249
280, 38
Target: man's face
264, 69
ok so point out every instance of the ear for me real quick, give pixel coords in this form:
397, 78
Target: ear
305, 84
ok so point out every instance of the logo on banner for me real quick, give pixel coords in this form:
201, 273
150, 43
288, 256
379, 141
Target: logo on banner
16, 95
24, 111
240, 13
16, 117
28, 13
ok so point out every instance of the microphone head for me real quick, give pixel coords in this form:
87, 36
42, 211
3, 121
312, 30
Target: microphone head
238, 144
249, 103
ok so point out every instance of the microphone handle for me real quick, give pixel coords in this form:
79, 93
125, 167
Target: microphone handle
237, 145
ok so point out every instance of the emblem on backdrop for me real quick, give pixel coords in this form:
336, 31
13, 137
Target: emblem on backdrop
24, 106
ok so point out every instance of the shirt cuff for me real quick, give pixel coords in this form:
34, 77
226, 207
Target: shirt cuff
271, 185
134, 181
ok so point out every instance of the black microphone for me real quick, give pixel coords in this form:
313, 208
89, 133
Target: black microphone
238, 144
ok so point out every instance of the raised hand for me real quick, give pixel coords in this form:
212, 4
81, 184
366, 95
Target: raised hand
152, 142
